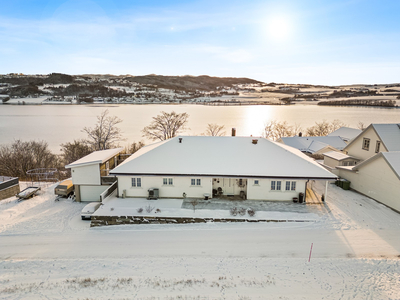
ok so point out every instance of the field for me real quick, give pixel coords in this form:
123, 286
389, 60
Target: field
46, 251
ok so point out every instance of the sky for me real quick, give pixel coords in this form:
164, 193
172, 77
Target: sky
304, 41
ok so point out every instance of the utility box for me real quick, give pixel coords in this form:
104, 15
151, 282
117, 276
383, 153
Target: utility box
346, 185
153, 194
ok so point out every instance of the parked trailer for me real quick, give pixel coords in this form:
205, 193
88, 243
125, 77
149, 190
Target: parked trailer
27, 193
64, 189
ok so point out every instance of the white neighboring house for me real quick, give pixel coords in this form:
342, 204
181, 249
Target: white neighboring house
314, 144
374, 163
346, 133
89, 174
205, 166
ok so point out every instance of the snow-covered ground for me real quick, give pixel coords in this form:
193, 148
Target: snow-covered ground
47, 252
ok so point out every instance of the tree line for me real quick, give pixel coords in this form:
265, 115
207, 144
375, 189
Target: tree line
20, 156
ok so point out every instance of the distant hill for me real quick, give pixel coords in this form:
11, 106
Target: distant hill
206, 83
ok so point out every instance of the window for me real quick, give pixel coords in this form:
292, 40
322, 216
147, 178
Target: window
278, 185
195, 181
287, 186
365, 145
136, 182
273, 185
168, 181
293, 185
378, 145
256, 182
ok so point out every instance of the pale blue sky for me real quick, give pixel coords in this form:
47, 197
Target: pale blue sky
303, 41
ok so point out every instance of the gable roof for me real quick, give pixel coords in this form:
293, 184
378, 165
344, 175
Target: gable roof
338, 155
346, 133
96, 157
313, 144
391, 158
389, 135
221, 156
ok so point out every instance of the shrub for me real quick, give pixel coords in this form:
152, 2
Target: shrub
140, 210
158, 210
242, 211
149, 209
251, 212
233, 211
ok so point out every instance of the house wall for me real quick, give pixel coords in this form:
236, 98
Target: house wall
91, 193
112, 164
180, 185
331, 162
356, 150
230, 186
86, 175
376, 180
263, 191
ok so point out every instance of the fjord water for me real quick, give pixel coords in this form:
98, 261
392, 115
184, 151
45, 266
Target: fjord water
58, 124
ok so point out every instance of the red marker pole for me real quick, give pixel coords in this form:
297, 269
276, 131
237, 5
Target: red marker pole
309, 258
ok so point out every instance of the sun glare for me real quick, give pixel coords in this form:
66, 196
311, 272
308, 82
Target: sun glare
279, 27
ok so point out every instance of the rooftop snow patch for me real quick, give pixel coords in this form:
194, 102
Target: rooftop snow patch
314, 143
222, 156
96, 157
346, 133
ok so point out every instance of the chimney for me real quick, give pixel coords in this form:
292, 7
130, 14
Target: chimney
233, 131
180, 140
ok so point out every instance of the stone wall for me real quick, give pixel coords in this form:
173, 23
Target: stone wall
124, 220
9, 192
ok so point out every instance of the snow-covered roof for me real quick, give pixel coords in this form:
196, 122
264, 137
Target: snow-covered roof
392, 159
346, 133
96, 157
338, 155
221, 156
313, 144
389, 135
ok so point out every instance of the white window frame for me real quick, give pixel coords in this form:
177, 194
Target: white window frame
279, 185
293, 186
287, 186
136, 182
256, 182
169, 181
378, 146
366, 144
273, 185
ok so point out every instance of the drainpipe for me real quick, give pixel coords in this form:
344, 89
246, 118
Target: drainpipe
305, 191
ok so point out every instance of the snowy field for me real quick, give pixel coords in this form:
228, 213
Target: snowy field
47, 252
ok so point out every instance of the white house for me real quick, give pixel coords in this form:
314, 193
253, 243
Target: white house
199, 166
373, 163
89, 174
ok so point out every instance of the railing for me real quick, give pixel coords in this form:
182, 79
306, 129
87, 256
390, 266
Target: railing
8, 181
108, 192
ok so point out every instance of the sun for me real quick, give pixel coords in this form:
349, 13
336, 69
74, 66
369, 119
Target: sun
279, 28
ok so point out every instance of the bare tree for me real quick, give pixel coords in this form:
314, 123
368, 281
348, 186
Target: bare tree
194, 203
274, 130
135, 146
166, 126
215, 130
361, 125
19, 157
324, 128
71, 152
105, 133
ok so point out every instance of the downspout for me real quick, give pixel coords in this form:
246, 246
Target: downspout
305, 191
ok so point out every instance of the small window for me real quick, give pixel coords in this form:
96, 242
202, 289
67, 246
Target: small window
170, 181
165, 181
365, 145
192, 181
273, 183
198, 181
256, 182
136, 182
293, 185
378, 146
287, 188
278, 185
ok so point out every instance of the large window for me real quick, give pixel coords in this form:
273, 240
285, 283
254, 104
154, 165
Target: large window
278, 185
136, 182
378, 146
195, 181
365, 145
293, 185
287, 188
168, 181
273, 185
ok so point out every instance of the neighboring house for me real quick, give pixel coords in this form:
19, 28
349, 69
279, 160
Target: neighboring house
203, 166
9, 186
90, 173
376, 173
346, 133
314, 144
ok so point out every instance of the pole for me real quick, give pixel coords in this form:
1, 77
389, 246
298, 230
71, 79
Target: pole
309, 258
